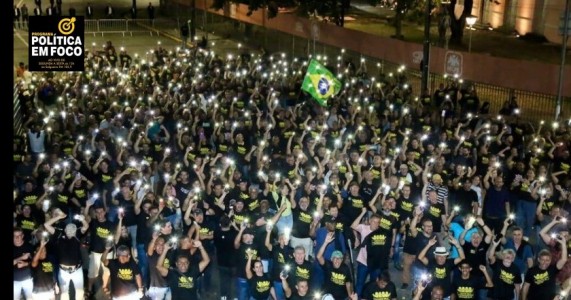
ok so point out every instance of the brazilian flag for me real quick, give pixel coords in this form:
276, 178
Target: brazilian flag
320, 83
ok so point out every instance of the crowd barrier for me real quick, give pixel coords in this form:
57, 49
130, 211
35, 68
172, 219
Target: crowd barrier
121, 26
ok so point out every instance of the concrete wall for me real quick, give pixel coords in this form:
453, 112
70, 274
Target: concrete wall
509, 73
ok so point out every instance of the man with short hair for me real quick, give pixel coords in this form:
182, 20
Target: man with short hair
507, 276
524, 253
123, 277
182, 279
496, 202
68, 253
540, 280
100, 229
440, 269
22, 272
466, 286
338, 281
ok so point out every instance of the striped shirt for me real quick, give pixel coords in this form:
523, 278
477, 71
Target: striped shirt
441, 191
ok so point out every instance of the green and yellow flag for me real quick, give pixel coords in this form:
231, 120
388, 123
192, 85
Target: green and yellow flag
320, 83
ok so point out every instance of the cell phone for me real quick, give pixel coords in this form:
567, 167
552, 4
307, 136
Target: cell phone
498, 238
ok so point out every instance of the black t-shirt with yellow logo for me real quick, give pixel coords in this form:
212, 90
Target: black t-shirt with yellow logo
467, 288
336, 279
260, 287
352, 206
98, 232
123, 277
434, 213
505, 279
441, 275
243, 257
301, 223
372, 291
303, 271
28, 225
378, 244
541, 282
183, 285
44, 277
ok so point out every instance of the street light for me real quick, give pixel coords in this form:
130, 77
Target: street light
471, 20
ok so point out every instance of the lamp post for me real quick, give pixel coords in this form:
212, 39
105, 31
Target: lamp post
471, 20
426, 48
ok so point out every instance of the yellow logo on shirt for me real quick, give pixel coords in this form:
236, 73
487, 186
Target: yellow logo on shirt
382, 296
465, 292
47, 267
506, 277
125, 274
302, 272
541, 278
262, 286
338, 278
185, 282
378, 240
440, 273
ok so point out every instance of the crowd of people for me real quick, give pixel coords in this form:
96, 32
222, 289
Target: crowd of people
156, 175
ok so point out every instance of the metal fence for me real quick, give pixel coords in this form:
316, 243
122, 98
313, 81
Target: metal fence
534, 106
122, 26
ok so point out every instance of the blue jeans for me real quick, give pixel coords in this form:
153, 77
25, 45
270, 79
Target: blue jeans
526, 216
284, 222
143, 263
362, 273
317, 277
398, 249
278, 286
243, 289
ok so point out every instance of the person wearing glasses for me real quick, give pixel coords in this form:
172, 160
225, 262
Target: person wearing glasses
123, 281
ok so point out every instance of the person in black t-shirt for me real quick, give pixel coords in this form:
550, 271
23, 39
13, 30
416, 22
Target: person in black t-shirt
337, 275
99, 230
381, 288
182, 279
22, 272
507, 276
261, 286
540, 280
440, 268
301, 291
45, 283
466, 285
123, 276
281, 255
476, 250
68, 252
224, 237
158, 286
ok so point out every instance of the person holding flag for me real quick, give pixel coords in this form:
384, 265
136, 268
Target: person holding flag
320, 83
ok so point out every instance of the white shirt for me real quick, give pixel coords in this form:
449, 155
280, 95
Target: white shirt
37, 143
